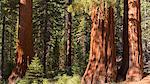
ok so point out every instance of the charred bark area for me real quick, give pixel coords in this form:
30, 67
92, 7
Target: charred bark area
24, 43
134, 37
121, 75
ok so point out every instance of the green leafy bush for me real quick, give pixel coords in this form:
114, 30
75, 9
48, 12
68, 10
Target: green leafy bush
34, 74
35, 69
75, 79
45, 81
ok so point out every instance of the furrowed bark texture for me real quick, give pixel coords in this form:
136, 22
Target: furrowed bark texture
135, 71
111, 50
24, 42
102, 62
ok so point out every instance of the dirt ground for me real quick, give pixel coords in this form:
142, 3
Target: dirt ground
145, 80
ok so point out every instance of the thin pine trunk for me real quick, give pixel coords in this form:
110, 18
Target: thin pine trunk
45, 39
69, 29
2, 59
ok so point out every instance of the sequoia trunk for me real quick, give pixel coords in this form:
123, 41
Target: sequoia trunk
96, 71
134, 37
24, 42
111, 51
101, 67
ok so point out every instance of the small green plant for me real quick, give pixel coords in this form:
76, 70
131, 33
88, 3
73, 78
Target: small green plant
0, 81
23, 81
75, 79
45, 81
35, 69
34, 74
35, 82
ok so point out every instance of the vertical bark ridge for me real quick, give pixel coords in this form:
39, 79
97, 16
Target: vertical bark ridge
24, 42
135, 54
111, 56
95, 72
101, 66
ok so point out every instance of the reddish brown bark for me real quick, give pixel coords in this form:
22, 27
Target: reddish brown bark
95, 71
134, 37
101, 67
24, 42
111, 51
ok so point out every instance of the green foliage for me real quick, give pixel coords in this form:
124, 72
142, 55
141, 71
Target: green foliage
23, 81
1, 81
145, 24
35, 82
80, 5
34, 74
45, 81
35, 69
85, 5
8, 9
75, 79
81, 41
7, 70
52, 13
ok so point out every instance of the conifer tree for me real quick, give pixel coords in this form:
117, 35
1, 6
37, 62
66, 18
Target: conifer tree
24, 42
135, 71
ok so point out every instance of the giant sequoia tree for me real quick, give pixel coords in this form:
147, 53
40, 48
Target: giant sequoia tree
134, 39
101, 66
24, 42
132, 65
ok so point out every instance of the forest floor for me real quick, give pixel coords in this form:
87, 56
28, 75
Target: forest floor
145, 80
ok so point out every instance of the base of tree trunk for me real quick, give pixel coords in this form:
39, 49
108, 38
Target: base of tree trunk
13, 78
111, 76
134, 74
17, 73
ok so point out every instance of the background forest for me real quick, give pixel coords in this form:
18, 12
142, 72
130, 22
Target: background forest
50, 36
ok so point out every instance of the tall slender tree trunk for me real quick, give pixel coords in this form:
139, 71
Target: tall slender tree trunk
24, 42
135, 71
45, 39
2, 59
125, 64
69, 28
